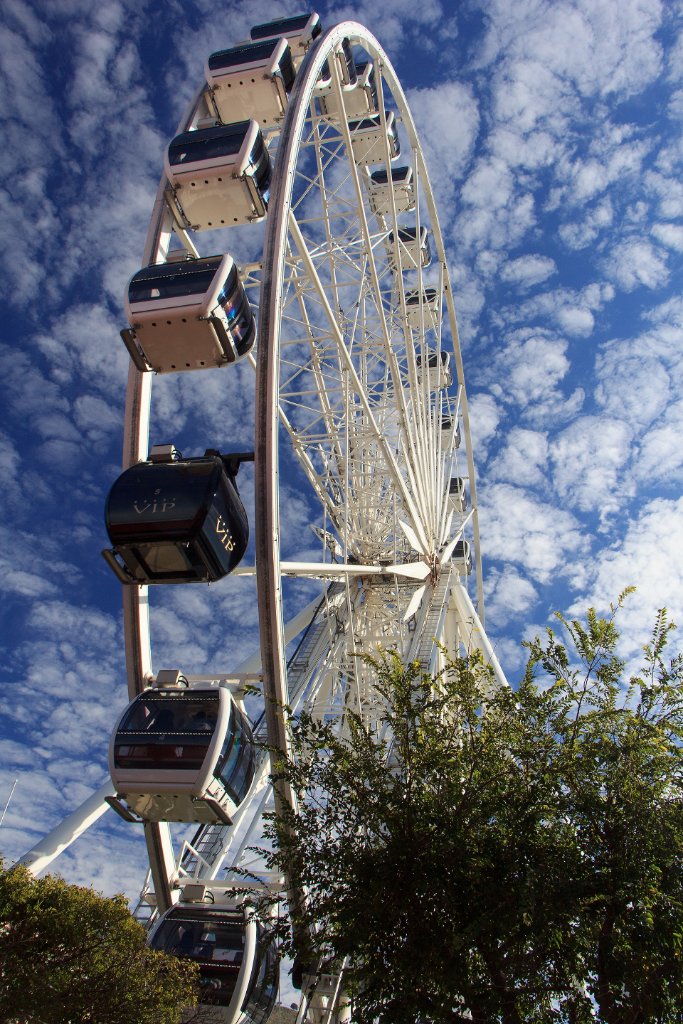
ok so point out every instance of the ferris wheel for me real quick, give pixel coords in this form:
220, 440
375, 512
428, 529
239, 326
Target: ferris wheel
360, 411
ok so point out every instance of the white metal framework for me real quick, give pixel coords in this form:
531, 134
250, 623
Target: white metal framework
360, 409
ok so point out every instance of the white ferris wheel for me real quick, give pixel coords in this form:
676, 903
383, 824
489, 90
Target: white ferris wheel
348, 320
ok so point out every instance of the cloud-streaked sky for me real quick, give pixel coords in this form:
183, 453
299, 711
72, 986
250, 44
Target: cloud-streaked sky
552, 131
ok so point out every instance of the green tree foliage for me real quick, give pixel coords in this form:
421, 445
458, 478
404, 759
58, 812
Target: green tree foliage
492, 855
70, 956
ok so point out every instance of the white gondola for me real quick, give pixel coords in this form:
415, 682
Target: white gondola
220, 175
423, 308
348, 75
181, 754
462, 557
369, 139
450, 431
238, 967
176, 520
251, 81
457, 494
188, 315
382, 183
413, 248
359, 101
439, 369
299, 31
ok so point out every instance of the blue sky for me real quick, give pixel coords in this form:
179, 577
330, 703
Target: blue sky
552, 131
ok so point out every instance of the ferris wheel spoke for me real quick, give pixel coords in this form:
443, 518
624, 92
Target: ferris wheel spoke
344, 355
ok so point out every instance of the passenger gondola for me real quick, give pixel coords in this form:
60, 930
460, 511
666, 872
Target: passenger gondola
450, 430
413, 248
189, 314
359, 101
181, 754
438, 368
346, 66
299, 31
457, 494
369, 139
251, 81
462, 557
423, 308
220, 175
382, 183
238, 967
175, 520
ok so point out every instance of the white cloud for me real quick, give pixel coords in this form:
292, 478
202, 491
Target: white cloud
607, 54
648, 556
614, 158
528, 94
545, 540
571, 311
532, 150
588, 458
670, 235
84, 343
666, 189
576, 321
660, 456
636, 262
485, 416
447, 120
31, 564
523, 460
582, 232
635, 378
495, 214
509, 597
527, 271
528, 367
676, 105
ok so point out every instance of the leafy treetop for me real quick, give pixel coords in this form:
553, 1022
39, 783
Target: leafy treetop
492, 855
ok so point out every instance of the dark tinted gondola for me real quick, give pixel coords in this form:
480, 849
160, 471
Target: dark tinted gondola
220, 175
180, 754
251, 81
238, 967
188, 315
176, 521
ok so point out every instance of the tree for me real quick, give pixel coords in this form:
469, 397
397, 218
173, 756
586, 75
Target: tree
501, 856
70, 956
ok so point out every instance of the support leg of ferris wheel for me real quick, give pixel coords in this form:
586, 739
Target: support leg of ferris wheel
61, 837
465, 630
